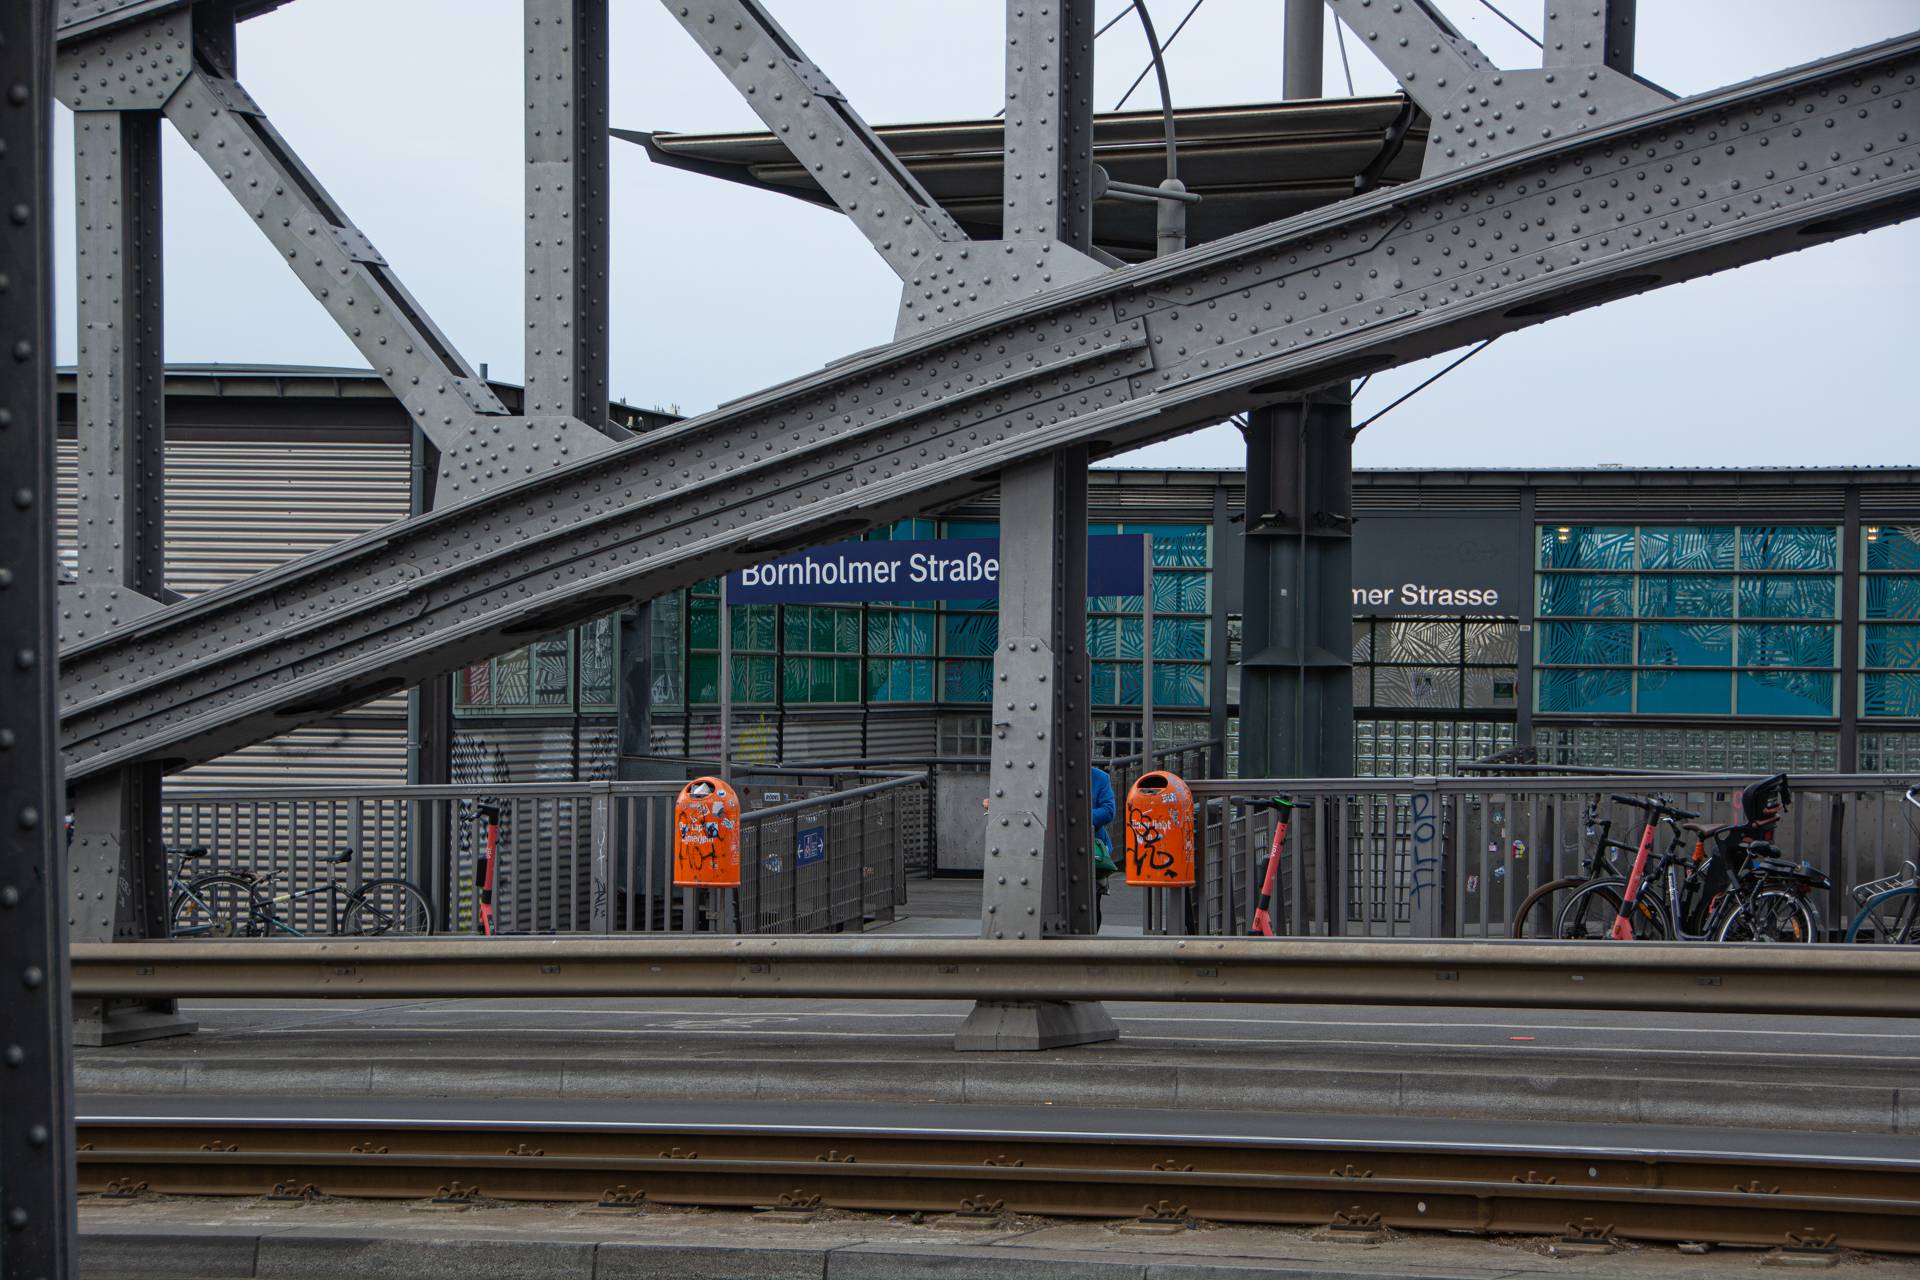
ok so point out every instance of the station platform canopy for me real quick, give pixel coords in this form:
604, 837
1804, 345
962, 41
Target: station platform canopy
1250, 165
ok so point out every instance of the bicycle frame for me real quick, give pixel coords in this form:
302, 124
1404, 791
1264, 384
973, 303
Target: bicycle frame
1622, 930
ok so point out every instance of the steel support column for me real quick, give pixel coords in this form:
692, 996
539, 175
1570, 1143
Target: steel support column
36, 1105
1584, 33
566, 202
1296, 682
1303, 36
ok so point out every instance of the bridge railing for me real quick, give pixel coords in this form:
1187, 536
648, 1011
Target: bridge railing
572, 857
1455, 857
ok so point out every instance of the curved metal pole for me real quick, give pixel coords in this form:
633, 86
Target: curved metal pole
1166, 94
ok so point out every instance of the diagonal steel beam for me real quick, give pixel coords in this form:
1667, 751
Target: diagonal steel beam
1781, 163
1480, 110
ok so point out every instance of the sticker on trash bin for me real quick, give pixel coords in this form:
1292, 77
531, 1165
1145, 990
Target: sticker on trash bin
810, 846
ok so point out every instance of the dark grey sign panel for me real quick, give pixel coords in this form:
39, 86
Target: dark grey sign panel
1439, 564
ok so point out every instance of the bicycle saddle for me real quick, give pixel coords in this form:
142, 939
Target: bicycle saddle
339, 855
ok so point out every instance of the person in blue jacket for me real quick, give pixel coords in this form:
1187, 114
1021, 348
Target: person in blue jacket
1104, 861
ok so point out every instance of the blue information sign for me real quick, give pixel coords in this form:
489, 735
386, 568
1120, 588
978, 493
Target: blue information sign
928, 569
809, 846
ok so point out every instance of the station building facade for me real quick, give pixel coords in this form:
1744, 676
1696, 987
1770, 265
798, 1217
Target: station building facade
1736, 619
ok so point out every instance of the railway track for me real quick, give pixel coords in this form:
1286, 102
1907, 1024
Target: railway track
1352, 1183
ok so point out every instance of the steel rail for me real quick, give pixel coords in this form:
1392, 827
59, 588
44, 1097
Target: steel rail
1812, 980
1781, 163
1489, 1188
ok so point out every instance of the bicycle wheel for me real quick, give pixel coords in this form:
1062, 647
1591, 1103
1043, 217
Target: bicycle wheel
386, 907
1892, 916
217, 905
1538, 912
1591, 911
1772, 915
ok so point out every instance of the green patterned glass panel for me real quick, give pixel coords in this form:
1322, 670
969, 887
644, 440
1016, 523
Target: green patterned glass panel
1788, 597
1707, 595
754, 627
1678, 693
1892, 693
900, 680
1592, 692
1586, 547
1784, 693
1789, 547
967, 681
704, 623
972, 529
1892, 646
1893, 596
1576, 595
795, 628
754, 677
1687, 547
1893, 546
1784, 644
905, 631
968, 634
1686, 644
796, 679
1586, 644
703, 678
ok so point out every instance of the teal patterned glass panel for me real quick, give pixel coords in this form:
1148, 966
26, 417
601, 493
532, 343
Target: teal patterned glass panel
1687, 547
1707, 595
1784, 644
796, 679
795, 628
967, 681
1784, 693
1179, 638
905, 531
1595, 692
1127, 677
1178, 592
1577, 595
1685, 693
969, 634
1176, 546
972, 529
988, 605
1105, 684
1788, 597
1103, 637
1892, 693
900, 680
1586, 644
1893, 546
846, 679
1586, 547
846, 631
704, 623
1789, 547
900, 631
1179, 684
1683, 644
1116, 604
1892, 646
1893, 596
754, 627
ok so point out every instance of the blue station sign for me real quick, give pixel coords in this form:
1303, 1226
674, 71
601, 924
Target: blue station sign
924, 569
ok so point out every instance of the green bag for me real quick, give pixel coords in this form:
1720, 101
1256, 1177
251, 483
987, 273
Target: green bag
1103, 863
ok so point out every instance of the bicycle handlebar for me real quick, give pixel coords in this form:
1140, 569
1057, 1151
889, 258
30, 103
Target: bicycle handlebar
1654, 806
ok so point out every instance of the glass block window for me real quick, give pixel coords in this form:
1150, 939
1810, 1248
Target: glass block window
540, 677
1434, 664
1688, 620
1889, 623
1722, 748
1412, 747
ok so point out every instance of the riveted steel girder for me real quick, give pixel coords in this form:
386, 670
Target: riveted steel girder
566, 190
1581, 33
1481, 110
1738, 175
36, 1103
82, 18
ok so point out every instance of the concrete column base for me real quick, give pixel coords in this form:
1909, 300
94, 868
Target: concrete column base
97, 1023
1035, 1024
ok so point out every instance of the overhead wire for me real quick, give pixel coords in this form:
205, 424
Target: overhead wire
1156, 64
1490, 7
1373, 418
1340, 35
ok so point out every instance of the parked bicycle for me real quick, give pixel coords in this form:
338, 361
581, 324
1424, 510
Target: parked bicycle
1889, 909
1733, 886
245, 904
1540, 912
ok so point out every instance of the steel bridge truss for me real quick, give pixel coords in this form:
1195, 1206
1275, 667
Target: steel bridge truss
1545, 191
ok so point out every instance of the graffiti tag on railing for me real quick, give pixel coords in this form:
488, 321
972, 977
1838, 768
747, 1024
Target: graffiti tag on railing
1423, 825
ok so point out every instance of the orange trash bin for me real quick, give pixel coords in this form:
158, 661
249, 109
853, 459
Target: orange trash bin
706, 835
1160, 831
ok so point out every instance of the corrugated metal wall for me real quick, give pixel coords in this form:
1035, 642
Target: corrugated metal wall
235, 507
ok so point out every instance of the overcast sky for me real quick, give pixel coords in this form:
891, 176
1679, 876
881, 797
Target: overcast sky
409, 112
